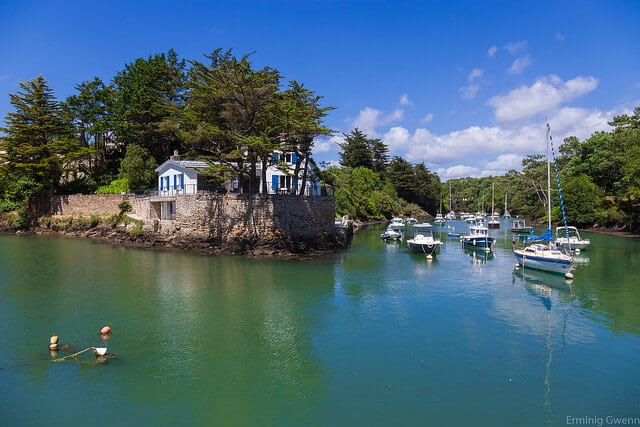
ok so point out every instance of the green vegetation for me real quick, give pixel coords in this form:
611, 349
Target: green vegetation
109, 137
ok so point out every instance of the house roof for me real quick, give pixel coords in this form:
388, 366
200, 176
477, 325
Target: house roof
183, 164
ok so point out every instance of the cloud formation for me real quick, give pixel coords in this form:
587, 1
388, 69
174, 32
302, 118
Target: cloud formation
543, 96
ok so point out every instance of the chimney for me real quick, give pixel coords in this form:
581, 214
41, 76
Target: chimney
175, 156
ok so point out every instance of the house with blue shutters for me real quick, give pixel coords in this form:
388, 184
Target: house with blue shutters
178, 177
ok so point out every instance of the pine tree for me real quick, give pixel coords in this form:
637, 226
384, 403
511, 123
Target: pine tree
38, 143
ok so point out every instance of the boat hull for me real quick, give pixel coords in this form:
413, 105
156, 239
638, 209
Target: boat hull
542, 263
485, 243
424, 248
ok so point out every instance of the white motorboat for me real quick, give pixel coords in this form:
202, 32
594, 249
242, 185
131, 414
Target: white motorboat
397, 223
424, 243
569, 239
478, 238
391, 234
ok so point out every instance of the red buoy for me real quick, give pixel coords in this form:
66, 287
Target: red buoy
105, 330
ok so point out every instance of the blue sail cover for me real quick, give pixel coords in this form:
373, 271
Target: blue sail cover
547, 237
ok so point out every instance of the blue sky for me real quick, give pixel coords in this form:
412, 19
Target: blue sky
462, 86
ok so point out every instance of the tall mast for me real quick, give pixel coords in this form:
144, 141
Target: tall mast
548, 177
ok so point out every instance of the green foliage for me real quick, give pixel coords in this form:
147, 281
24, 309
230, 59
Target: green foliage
117, 186
124, 207
138, 167
580, 196
38, 143
356, 150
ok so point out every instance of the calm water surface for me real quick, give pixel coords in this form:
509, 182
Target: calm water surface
372, 336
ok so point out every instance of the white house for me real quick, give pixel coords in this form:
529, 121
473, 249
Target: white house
176, 177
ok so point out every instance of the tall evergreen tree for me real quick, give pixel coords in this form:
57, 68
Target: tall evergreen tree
38, 144
148, 98
356, 151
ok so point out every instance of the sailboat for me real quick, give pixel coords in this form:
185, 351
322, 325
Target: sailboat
451, 215
540, 256
506, 214
439, 219
494, 222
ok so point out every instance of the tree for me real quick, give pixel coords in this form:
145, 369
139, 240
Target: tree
148, 98
356, 150
402, 176
138, 167
38, 142
300, 115
91, 116
230, 114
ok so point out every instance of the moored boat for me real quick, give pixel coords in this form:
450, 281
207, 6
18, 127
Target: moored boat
519, 226
541, 256
569, 239
424, 243
478, 238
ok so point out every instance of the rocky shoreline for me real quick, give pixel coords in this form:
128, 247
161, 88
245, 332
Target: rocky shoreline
279, 245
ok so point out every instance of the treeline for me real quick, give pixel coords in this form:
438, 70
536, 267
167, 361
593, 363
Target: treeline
111, 136
369, 185
600, 182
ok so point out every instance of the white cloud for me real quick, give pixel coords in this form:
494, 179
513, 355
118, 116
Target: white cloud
475, 74
519, 65
492, 51
505, 162
4, 77
458, 171
428, 118
369, 119
544, 96
470, 91
516, 47
404, 100
560, 37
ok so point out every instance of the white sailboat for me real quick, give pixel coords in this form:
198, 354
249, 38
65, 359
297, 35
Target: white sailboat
544, 256
506, 214
494, 221
451, 215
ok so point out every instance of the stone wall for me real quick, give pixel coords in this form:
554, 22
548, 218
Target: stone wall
216, 217
239, 217
87, 204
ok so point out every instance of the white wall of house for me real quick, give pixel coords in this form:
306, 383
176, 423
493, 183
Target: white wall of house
175, 179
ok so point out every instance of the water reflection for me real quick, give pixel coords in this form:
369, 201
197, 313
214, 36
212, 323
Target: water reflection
478, 256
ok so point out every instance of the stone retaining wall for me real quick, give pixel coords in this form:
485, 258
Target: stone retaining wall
87, 204
216, 217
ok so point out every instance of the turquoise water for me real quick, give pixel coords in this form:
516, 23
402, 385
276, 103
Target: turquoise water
372, 336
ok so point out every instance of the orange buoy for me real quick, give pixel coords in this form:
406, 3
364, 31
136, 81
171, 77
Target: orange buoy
105, 330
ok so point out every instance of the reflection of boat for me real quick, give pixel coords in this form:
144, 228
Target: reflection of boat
519, 226
390, 234
478, 237
478, 256
573, 242
424, 243
397, 223
543, 256
544, 279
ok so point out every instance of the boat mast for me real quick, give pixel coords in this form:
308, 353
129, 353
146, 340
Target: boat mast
548, 178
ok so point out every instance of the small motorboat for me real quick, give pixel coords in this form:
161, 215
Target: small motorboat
390, 234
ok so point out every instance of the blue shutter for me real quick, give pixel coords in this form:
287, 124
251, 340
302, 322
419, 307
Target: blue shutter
167, 182
161, 184
295, 184
175, 181
294, 158
182, 181
274, 182
276, 158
